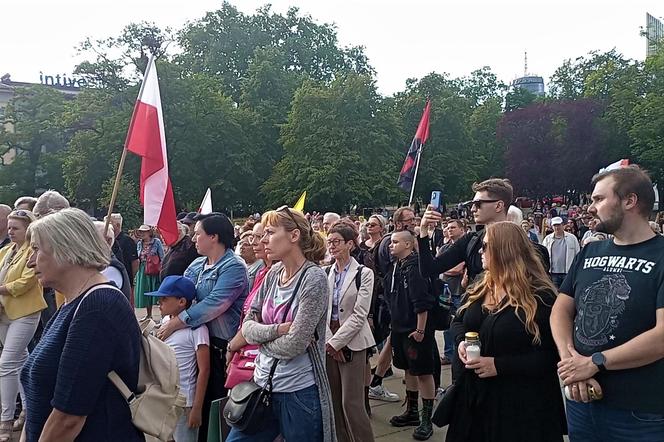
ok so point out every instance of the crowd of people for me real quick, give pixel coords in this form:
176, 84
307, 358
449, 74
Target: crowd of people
552, 320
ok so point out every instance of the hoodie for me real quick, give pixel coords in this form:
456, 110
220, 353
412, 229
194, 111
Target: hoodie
407, 294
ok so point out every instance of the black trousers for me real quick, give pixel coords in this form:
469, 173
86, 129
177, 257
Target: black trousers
215, 388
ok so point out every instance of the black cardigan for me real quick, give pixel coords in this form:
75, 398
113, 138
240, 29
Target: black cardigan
523, 403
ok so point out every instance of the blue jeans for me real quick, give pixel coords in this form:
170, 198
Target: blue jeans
595, 422
296, 416
558, 279
449, 349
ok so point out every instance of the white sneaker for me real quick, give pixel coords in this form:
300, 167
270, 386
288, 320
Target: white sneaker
380, 393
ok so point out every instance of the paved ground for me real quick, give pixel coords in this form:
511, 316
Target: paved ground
383, 411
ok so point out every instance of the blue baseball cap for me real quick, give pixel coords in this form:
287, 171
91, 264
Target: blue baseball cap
177, 286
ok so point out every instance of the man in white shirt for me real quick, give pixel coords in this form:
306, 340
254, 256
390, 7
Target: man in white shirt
562, 247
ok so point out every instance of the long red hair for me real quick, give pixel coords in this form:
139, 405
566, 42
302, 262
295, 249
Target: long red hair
514, 266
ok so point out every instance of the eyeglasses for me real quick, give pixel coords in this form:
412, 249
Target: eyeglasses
334, 242
253, 239
478, 203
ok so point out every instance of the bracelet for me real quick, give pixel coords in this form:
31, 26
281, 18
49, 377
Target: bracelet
419, 332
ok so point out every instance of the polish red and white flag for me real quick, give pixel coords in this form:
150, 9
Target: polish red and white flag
146, 138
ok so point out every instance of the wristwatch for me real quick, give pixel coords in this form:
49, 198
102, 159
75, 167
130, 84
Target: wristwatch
599, 359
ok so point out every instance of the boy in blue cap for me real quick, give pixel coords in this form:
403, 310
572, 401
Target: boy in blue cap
192, 351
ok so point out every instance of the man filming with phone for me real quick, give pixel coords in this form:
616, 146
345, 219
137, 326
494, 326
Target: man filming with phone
490, 205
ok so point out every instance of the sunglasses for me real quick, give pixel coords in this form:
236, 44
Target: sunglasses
287, 209
372, 225
485, 246
21, 213
478, 203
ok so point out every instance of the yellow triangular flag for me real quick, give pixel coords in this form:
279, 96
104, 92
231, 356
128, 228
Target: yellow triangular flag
299, 205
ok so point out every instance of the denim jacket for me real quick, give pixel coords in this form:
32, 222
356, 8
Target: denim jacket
220, 294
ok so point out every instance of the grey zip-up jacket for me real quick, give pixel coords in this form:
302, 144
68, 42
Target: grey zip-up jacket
309, 321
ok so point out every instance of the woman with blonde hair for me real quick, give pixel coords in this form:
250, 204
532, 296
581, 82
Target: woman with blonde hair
287, 320
511, 392
22, 301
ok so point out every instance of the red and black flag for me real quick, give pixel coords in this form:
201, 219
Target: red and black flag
407, 174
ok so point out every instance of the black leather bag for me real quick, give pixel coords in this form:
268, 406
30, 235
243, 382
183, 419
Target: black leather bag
249, 404
442, 415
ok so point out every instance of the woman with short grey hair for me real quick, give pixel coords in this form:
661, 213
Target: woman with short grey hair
67, 392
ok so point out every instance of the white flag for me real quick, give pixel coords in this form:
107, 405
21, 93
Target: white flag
206, 204
617, 165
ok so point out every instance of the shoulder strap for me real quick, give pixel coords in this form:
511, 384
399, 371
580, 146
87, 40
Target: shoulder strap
126, 393
358, 277
268, 385
92, 289
295, 290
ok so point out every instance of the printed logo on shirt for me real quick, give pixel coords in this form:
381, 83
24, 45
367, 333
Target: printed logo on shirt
600, 308
619, 264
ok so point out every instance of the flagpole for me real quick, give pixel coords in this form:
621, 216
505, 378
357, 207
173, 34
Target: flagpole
417, 167
123, 157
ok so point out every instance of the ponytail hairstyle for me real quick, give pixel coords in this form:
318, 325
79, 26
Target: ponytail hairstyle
311, 243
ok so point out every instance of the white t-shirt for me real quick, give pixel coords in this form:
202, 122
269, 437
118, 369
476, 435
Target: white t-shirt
184, 343
113, 275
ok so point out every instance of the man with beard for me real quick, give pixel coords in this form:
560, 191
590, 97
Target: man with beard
608, 321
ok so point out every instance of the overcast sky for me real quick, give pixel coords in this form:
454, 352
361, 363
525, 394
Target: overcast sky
403, 39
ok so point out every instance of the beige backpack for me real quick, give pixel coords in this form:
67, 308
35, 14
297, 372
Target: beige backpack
158, 403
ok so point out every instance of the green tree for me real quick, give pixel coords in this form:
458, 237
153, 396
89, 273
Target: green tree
223, 44
118, 62
340, 146
647, 131
31, 138
519, 98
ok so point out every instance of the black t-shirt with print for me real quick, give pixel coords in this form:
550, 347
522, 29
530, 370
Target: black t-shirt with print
617, 290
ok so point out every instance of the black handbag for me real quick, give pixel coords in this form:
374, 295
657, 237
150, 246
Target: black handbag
248, 403
442, 415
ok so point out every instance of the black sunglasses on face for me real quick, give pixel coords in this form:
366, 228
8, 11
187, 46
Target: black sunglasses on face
478, 203
485, 246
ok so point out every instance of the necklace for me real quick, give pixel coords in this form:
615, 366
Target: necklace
288, 278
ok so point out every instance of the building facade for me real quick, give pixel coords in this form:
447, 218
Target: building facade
654, 34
